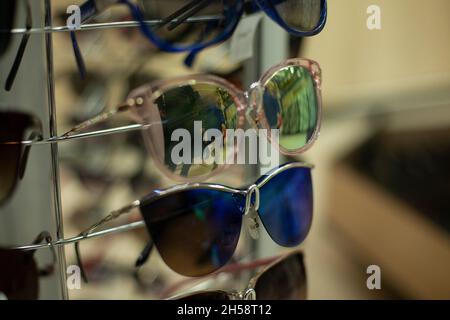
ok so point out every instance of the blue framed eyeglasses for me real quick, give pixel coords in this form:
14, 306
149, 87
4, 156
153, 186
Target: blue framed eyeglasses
193, 25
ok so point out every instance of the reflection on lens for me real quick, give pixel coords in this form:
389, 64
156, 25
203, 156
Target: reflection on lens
12, 129
291, 105
286, 208
195, 231
300, 15
204, 20
286, 280
187, 113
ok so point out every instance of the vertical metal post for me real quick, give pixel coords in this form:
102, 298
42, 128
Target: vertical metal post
271, 47
274, 44
54, 149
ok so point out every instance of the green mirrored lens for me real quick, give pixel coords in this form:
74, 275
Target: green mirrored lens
291, 105
190, 113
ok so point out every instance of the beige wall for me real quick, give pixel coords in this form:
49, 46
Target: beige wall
409, 57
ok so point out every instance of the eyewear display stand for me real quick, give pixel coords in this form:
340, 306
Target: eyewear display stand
36, 204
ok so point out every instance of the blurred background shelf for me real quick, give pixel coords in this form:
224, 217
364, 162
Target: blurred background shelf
400, 223
396, 78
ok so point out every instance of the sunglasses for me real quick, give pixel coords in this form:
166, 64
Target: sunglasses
196, 227
19, 276
287, 98
209, 22
283, 279
15, 126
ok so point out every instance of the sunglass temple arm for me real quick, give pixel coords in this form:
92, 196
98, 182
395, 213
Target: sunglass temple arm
200, 5
145, 254
74, 133
142, 259
45, 236
20, 52
230, 269
112, 216
99, 119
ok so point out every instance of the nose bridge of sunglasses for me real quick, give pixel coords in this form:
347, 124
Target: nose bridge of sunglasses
252, 199
254, 104
251, 211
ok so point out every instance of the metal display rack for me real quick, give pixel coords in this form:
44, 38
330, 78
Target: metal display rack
36, 205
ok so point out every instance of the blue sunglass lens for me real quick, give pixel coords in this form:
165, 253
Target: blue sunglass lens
286, 206
195, 231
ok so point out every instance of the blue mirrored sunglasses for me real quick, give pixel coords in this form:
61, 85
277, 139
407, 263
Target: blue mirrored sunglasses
196, 227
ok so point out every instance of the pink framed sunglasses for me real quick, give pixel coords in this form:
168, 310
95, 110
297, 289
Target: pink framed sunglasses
286, 100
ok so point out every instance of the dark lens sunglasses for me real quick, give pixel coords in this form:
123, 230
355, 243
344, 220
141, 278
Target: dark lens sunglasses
210, 22
283, 279
15, 126
196, 227
19, 276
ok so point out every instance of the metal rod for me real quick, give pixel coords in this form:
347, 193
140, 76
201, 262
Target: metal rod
106, 25
54, 150
80, 136
63, 242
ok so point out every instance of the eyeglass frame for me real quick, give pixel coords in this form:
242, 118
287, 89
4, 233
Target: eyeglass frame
250, 210
89, 10
249, 293
249, 108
